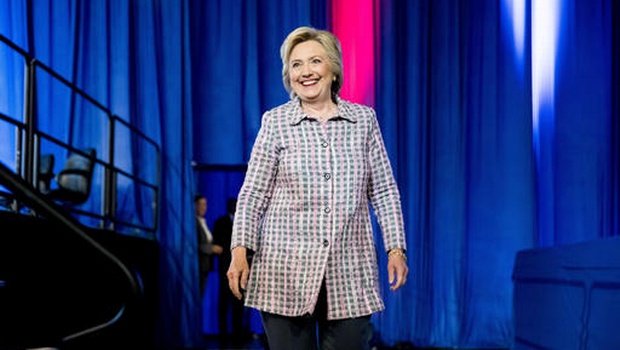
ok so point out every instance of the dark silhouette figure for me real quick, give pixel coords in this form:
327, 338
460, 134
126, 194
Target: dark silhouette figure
206, 245
222, 230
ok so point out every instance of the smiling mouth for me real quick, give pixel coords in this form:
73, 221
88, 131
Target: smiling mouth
308, 82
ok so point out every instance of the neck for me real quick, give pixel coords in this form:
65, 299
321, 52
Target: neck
321, 110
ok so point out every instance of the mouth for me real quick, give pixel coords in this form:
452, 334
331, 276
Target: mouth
309, 82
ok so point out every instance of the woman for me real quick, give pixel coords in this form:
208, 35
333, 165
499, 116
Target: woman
316, 164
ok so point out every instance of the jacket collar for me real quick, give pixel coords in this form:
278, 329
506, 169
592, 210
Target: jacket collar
296, 114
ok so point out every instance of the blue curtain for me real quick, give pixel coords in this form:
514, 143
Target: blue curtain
237, 70
584, 171
454, 100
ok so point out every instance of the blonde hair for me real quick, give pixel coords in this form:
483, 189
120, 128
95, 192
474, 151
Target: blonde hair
329, 42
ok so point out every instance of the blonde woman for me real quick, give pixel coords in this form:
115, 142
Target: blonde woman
303, 210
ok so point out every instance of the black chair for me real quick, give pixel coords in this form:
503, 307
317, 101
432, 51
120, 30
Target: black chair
74, 181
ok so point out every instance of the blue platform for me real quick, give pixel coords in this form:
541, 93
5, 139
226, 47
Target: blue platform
568, 297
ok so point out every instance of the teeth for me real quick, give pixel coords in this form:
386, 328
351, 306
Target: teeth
306, 83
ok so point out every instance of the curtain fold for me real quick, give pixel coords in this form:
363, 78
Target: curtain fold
615, 119
581, 170
12, 79
455, 103
237, 70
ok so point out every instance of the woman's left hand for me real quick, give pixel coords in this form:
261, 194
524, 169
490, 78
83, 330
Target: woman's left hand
397, 270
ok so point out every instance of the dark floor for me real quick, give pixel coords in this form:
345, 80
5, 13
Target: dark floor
258, 342
254, 342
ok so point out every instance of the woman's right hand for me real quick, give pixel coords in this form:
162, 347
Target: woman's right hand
238, 271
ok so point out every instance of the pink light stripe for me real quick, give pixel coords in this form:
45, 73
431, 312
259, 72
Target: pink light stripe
353, 22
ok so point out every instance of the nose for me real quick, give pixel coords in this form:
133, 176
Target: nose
305, 70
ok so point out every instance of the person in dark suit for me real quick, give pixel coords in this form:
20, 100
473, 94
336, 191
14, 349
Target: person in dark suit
206, 246
222, 231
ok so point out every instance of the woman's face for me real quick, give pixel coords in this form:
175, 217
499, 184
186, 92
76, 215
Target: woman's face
310, 73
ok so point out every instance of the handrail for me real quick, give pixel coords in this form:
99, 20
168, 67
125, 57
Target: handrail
29, 148
15, 47
137, 131
21, 127
26, 193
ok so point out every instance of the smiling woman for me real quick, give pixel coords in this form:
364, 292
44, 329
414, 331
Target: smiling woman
304, 211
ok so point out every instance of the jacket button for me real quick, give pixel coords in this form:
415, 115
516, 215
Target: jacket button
325, 243
327, 176
327, 210
324, 144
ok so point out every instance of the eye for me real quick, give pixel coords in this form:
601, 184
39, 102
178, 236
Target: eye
316, 61
295, 64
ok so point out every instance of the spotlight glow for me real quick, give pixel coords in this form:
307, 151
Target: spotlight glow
545, 26
516, 8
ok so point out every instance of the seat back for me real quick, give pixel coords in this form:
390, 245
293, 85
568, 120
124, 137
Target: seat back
75, 179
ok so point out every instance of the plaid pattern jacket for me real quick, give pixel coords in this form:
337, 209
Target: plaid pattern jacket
304, 210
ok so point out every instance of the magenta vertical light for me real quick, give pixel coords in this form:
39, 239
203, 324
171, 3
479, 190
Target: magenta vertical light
353, 22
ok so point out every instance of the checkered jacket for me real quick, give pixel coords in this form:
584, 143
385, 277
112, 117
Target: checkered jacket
304, 210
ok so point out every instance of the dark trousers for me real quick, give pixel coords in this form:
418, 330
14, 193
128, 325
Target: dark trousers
313, 332
203, 283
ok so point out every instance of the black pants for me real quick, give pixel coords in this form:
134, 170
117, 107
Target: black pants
203, 283
313, 332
